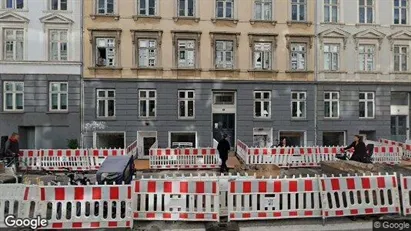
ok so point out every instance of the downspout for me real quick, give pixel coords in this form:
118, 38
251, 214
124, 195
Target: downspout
81, 75
315, 71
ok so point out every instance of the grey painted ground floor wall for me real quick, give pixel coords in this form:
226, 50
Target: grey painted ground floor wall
127, 108
38, 127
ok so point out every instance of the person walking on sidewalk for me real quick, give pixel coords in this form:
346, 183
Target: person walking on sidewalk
13, 149
223, 148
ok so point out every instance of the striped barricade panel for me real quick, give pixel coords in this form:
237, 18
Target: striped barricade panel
97, 156
407, 151
29, 159
59, 159
242, 151
198, 158
387, 154
306, 157
86, 206
281, 156
164, 158
328, 153
179, 199
264, 199
359, 195
406, 194
132, 149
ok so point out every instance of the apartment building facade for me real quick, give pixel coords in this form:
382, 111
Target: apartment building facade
363, 70
40, 69
185, 72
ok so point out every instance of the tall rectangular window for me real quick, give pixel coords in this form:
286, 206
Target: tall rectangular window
224, 8
186, 104
224, 54
400, 58
13, 96
366, 11
106, 52
58, 96
298, 105
331, 9
262, 104
367, 104
147, 53
147, 7
186, 53
262, 55
14, 4
331, 104
58, 45
400, 12
298, 56
147, 103
105, 6
186, 8
106, 103
298, 10
331, 57
58, 4
366, 57
263, 9
13, 44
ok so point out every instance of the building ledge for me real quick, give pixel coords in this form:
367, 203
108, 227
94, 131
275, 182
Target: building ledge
367, 24
185, 69
12, 112
334, 72
263, 71
137, 17
114, 16
38, 62
106, 118
58, 112
399, 25
106, 68
299, 120
297, 72
233, 20
195, 19
146, 68
400, 73
228, 70
332, 23
254, 21
307, 23
368, 72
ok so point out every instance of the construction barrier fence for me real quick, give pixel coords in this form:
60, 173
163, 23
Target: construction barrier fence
186, 158
406, 147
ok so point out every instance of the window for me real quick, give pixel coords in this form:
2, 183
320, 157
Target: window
366, 11
298, 105
14, 4
224, 54
13, 96
331, 57
366, 57
400, 58
186, 104
331, 104
147, 103
105, 6
331, 11
58, 4
106, 52
224, 8
147, 7
147, 53
58, 45
367, 104
106, 99
58, 96
186, 53
298, 10
262, 104
298, 56
263, 9
262, 55
186, 8
294, 138
13, 44
333, 139
400, 12
224, 98
182, 139
109, 140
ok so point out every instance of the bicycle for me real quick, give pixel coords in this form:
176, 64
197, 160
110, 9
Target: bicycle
11, 166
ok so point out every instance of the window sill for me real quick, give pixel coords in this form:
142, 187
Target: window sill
222, 69
254, 21
137, 17
332, 23
366, 118
336, 118
263, 71
302, 72
189, 119
58, 11
195, 19
146, 68
57, 112
12, 112
333, 72
262, 118
106, 68
106, 118
307, 23
215, 20
114, 16
367, 24
399, 25
185, 69
400, 73
368, 72
14, 10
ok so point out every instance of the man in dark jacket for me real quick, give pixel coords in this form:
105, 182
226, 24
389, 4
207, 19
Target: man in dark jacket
13, 149
360, 150
223, 148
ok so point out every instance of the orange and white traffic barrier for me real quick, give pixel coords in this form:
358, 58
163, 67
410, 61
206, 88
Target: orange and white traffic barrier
406, 194
359, 195
97, 156
132, 149
60, 159
307, 157
242, 151
176, 199
279, 156
387, 154
188, 158
29, 159
86, 206
266, 199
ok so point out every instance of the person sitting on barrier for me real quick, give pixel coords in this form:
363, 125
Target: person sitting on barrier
12, 148
360, 150
223, 148
283, 143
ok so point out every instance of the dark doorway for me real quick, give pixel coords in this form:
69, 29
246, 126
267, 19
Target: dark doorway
27, 137
109, 140
224, 124
148, 143
399, 128
369, 135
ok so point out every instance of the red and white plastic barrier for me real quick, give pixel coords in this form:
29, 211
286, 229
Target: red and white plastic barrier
97, 156
242, 151
359, 195
406, 148
187, 158
278, 156
406, 194
132, 149
387, 154
176, 199
29, 159
266, 199
60, 159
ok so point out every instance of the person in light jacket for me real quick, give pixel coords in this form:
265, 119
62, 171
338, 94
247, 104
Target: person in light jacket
223, 149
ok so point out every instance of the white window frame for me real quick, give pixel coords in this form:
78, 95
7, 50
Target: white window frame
14, 5
333, 57
400, 14
186, 8
182, 132
363, 57
183, 46
266, 5
330, 101
105, 7
59, 93
331, 6
147, 8
300, 100
14, 92
297, 3
401, 56
106, 99
149, 50
60, 42
263, 54
110, 44
366, 100
224, 2
186, 100
59, 4
262, 101
366, 6
147, 100
224, 64
14, 42
297, 53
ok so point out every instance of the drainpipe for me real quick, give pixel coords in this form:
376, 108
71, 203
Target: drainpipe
315, 71
81, 76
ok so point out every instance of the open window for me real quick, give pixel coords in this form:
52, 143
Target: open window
334, 138
109, 140
182, 139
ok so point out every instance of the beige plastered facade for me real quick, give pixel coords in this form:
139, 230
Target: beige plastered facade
125, 25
